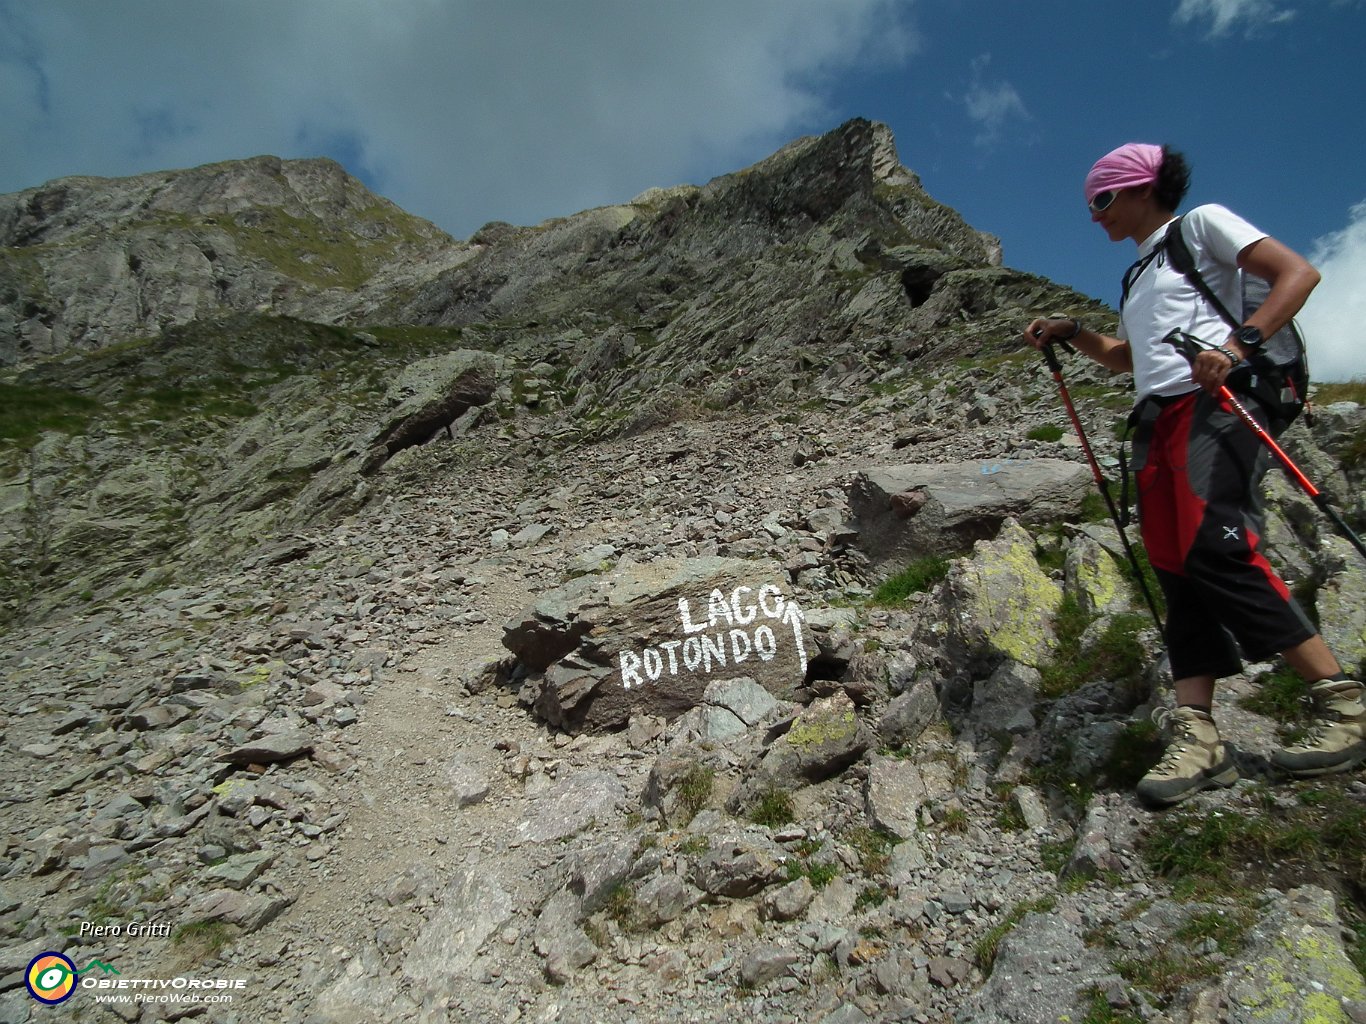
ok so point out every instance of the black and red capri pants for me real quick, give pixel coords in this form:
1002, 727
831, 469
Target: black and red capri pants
1199, 471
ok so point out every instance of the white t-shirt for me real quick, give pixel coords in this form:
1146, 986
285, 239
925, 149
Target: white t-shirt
1162, 300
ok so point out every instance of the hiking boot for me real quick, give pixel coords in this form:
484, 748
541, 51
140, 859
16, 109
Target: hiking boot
1337, 737
1195, 759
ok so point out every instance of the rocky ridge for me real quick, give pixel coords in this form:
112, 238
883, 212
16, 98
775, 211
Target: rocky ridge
87, 262
321, 758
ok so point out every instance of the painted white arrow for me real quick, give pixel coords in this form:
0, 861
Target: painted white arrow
792, 615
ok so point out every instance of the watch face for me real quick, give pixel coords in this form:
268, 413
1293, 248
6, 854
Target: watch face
1249, 335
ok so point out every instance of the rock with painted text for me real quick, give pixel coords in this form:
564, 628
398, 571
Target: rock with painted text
648, 639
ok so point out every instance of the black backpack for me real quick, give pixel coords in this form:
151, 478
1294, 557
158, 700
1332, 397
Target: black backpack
1277, 375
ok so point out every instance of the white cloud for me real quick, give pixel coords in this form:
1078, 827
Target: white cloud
1334, 318
991, 106
1225, 15
459, 110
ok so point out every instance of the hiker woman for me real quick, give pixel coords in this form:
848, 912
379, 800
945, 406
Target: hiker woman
1198, 468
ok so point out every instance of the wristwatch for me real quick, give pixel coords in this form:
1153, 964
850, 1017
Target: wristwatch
1249, 336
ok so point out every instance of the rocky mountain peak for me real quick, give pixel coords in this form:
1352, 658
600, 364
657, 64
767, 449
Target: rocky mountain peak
86, 261
71, 208
887, 165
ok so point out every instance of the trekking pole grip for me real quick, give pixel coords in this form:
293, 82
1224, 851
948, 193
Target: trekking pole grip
1049, 356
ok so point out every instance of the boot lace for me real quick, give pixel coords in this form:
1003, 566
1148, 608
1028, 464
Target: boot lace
1321, 717
1180, 732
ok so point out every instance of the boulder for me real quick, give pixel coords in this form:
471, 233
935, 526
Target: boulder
279, 746
909, 714
1341, 604
429, 395
580, 801
1093, 577
729, 709
824, 739
1295, 967
907, 512
559, 939
898, 789
738, 865
473, 908
1042, 973
998, 605
648, 639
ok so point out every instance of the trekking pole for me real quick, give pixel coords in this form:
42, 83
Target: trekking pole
1190, 348
1051, 358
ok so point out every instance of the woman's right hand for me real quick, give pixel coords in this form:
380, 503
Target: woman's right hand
1044, 330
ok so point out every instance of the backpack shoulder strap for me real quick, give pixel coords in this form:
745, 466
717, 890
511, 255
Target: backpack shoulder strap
1181, 257
1133, 273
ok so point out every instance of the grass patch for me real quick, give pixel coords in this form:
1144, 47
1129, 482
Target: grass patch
819, 873
26, 412
1341, 391
1054, 776
1008, 816
623, 908
1142, 579
309, 250
1136, 750
694, 846
1319, 839
1047, 432
202, 940
694, 790
1280, 695
870, 896
959, 769
1201, 844
1054, 855
1352, 453
1116, 656
916, 578
1050, 551
1099, 1011
1228, 927
955, 820
118, 894
1165, 974
984, 952
774, 809
874, 848
1094, 509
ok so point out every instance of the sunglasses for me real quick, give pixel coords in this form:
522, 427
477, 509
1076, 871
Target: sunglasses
1103, 200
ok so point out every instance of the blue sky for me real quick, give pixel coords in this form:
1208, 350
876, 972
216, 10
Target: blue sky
465, 111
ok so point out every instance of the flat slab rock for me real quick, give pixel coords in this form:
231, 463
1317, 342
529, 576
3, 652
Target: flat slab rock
280, 746
907, 512
648, 639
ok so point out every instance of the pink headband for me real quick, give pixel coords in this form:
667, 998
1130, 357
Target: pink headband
1136, 163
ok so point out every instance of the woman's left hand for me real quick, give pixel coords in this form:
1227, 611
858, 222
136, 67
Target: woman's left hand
1212, 367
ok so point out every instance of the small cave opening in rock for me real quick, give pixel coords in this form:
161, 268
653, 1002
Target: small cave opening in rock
919, 282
